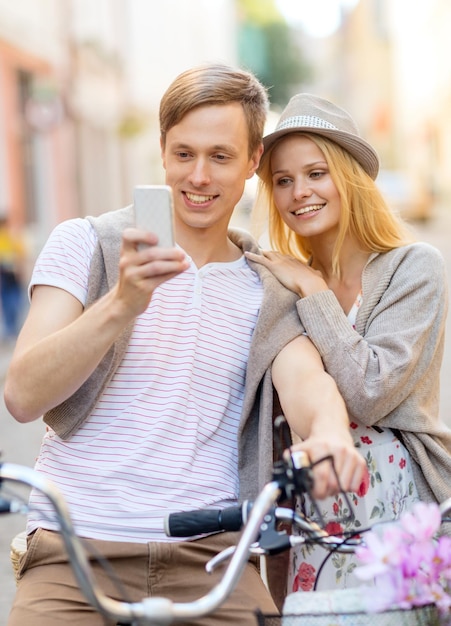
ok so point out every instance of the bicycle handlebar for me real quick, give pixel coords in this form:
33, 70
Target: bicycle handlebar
290, 476
157, 611
259, 519
203, 521
270, 539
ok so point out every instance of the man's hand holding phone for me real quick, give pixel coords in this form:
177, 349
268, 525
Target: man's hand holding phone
146, 265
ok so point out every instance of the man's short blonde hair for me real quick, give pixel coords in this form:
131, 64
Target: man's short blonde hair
212, 85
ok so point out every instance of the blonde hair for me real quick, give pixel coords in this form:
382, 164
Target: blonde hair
364, 213
216, 84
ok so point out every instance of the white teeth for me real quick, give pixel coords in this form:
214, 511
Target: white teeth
199, 199
309, 209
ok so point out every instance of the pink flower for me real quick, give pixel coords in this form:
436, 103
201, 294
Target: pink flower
409, 565
379, 554
442, 558
441, 598
423, 522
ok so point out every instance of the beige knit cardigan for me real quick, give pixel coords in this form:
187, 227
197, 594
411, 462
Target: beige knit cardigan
388, 368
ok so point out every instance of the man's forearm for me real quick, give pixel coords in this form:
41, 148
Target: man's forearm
48, 371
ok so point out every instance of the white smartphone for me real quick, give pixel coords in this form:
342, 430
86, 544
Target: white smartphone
154, 212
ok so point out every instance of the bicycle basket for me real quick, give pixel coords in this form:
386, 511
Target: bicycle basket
345, 607
419, 616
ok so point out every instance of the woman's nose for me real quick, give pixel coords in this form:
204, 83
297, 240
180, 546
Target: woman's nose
302, 188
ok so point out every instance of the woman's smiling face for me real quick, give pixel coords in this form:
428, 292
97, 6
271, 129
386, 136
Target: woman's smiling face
304, 192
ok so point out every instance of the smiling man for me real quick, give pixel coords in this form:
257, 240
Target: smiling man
138, 359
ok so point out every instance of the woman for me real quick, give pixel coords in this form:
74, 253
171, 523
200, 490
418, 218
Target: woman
373, 302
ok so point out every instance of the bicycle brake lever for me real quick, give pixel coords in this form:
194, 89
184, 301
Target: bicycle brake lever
273, 541
219, 558
227, 553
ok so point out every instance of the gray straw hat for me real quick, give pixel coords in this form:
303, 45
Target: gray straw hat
308, 113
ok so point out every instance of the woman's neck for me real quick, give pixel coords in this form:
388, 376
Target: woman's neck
352, 259
348, 284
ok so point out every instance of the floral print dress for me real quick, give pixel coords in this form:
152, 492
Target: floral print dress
387, 492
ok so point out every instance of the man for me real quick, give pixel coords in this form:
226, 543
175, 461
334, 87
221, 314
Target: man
138, 359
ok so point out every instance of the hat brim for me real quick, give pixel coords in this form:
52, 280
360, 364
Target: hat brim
361, 150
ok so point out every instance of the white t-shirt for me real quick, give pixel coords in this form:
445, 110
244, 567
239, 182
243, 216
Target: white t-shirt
163, 436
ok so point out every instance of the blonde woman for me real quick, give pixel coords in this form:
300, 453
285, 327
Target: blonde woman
374, 303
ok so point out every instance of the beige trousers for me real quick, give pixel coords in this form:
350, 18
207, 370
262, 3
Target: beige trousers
48, 594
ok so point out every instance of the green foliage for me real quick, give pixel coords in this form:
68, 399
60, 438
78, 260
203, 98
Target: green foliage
259, 12
267, 46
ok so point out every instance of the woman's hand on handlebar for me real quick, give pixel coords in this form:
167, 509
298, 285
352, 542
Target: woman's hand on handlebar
349, 465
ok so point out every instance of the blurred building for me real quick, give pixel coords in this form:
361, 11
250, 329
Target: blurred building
389, 64
33, 141
397, 73
80, 84
422, 92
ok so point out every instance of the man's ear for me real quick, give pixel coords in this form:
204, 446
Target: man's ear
255, 160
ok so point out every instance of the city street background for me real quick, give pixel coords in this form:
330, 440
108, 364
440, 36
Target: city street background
20, 442
81, 82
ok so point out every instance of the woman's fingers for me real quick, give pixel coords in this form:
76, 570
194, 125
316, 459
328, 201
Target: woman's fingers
336, 467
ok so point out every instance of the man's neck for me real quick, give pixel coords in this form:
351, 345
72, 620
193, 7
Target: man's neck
204, 247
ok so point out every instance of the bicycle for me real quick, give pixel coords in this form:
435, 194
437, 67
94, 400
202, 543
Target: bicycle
260, 536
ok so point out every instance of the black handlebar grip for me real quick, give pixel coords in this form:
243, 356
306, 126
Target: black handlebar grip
202, 521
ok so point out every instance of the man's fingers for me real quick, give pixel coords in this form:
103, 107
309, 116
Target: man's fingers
131, 237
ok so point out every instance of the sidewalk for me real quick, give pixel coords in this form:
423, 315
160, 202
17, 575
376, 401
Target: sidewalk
6, 350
